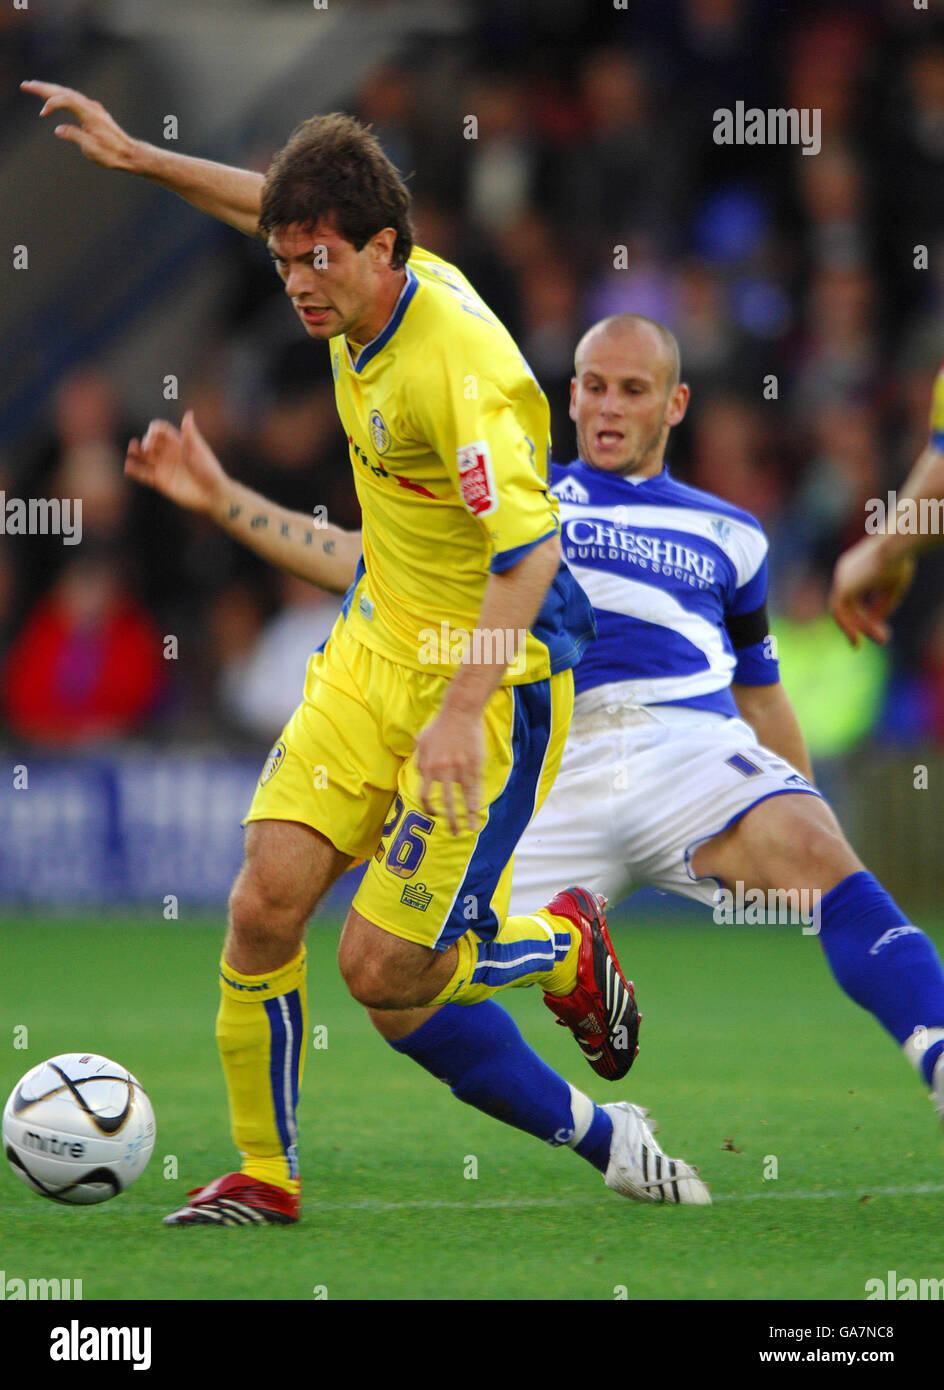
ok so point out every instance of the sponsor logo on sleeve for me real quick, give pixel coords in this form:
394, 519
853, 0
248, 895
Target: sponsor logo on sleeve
476, 480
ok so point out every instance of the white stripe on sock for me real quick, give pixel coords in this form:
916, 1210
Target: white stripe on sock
290, 1123
917, 1045
545, 927
581, 1109
937, 1086
511, 964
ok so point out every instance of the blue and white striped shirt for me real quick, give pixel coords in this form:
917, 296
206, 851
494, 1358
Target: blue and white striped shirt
667, 568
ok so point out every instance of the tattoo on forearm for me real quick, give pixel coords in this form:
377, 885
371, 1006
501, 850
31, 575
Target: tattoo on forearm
285, 528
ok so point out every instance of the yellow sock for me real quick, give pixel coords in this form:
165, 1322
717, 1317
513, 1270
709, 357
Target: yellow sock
540, 949
261, 1031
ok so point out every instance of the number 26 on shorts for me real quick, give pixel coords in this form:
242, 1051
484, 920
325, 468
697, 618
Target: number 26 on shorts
408, 848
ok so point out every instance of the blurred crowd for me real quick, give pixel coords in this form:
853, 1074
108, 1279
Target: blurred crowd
590, 185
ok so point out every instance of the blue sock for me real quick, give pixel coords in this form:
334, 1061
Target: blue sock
480, 1054
883, 962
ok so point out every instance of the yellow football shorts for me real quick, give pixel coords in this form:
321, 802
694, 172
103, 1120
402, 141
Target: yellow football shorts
345, 766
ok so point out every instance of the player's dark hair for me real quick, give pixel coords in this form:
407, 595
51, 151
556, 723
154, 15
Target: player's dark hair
333, 167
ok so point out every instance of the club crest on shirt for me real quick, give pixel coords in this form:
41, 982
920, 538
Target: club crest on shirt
476, 480
721, 529
272, 763
379, 434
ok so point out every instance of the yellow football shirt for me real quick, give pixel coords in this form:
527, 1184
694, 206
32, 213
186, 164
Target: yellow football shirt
448, 432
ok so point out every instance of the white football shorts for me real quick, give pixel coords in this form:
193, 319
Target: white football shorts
638, 791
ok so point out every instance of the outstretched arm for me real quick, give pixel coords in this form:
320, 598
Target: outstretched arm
872, 577
231, 195
181, 466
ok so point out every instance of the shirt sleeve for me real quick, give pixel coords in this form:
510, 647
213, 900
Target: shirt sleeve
748, 629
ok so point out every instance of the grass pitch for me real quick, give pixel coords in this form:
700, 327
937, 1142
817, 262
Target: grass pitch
821, 1150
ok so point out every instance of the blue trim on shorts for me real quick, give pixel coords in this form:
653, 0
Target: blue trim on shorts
508, 815
348, 598
692, 848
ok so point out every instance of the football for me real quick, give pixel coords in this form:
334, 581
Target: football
78, 1128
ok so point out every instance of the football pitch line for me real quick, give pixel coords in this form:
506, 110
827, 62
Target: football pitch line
914, 1190
376, 1205
513, 1203
432, 1204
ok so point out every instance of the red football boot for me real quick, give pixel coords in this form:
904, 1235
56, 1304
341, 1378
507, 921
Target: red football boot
601, 1010
236, 1200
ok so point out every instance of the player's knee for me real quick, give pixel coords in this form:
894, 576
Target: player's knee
381, 970
374, 981
257, 917
369, 983
821, 853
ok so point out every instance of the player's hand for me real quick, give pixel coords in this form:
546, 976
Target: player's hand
179, 464
451, 751
867, 587
99, 137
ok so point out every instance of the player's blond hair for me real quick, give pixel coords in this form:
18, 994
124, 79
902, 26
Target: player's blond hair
618, 323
